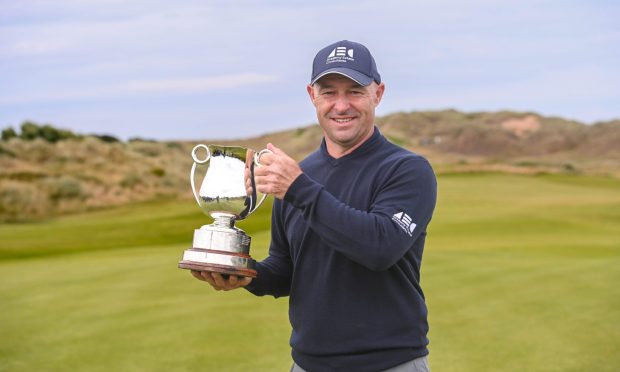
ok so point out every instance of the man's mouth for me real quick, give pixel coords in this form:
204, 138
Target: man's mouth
342, 120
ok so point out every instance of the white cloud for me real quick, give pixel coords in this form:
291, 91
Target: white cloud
196, 85
167, 86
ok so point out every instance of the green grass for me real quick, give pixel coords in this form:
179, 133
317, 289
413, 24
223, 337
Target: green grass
154, 223
520, 273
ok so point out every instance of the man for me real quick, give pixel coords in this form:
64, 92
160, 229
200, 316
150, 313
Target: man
348, 230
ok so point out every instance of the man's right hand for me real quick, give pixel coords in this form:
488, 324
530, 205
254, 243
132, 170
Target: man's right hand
219, 283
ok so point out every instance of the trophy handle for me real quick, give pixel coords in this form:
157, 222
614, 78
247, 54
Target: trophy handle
258, 164
198, 161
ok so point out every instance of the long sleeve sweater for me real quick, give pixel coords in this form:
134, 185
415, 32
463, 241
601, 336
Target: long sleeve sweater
346, 246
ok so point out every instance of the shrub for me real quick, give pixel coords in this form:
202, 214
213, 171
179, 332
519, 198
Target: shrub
174, 145
148, 149
21, 201
29, 130
106, 138
158, 172
131, 180
569, 168
140, 139
8, 133
64, 187
38, 151
49, 133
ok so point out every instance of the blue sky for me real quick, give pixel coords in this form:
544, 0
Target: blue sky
232, 69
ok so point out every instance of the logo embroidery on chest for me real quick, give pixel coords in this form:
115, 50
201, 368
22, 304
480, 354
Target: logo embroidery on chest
404, 221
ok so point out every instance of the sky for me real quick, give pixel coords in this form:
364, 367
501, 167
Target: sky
233, 69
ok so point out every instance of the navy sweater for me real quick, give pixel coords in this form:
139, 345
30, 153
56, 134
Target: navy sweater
346, 246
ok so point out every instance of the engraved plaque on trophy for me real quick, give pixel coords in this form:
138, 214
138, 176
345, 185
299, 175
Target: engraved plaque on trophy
226, 193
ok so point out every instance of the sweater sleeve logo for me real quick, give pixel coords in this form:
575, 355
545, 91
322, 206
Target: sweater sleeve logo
403, 220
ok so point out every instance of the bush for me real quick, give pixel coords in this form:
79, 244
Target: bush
140, 139
38, 150
158, 172
569, 168
148, 149
8, 133
31, 131
174, 145
49, 133
106, 138
131, 180
21, 201
64, 187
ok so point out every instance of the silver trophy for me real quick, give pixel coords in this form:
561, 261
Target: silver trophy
227, 194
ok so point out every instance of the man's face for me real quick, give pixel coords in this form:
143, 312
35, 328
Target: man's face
345, 110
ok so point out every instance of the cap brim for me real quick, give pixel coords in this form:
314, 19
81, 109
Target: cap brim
356, 76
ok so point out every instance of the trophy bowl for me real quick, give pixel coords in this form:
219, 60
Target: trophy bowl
227, 193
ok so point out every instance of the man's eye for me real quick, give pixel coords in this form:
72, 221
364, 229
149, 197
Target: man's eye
328, 93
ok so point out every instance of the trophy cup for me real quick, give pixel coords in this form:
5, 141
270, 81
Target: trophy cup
225, 196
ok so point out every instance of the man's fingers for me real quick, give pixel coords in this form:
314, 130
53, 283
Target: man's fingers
238, 281
209, 279
205, 276
219, 280
274, 149
244, 281
266, 184
265, 159
197, 275
219, 283
248, 183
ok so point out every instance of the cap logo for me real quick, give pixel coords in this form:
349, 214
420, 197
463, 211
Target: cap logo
340, 54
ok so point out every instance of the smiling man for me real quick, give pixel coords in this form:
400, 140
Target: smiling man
348, 230
346, 111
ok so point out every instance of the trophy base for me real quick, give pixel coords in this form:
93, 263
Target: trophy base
197, 266
217, 261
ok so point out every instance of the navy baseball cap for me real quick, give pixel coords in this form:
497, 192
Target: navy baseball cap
347, 58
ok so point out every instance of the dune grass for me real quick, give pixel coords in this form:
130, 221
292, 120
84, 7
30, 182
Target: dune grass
520, 273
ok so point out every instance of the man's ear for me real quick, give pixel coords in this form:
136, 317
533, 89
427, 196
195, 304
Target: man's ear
379, 93
310, 90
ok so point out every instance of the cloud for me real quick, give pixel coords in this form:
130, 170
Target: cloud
196, 85
166, 86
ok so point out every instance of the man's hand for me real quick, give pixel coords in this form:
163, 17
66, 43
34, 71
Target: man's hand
218, 282
276, 172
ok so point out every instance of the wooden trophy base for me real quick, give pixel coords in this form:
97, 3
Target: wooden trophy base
226, 270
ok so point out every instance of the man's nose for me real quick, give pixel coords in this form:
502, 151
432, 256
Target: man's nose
342, 103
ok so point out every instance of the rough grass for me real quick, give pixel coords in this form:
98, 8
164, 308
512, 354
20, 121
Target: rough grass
520, 273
